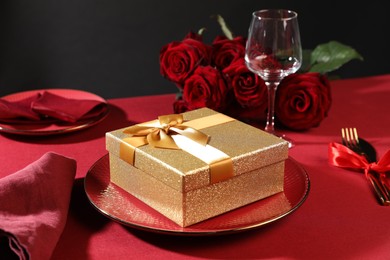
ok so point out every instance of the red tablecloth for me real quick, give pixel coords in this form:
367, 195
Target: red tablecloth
340, 219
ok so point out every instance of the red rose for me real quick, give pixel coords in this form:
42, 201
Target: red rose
205, 88
180, 106
179, 59
226, 51
262, 59
269, 62
303, 100
249, 89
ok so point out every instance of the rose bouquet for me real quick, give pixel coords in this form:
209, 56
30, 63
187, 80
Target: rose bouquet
215, 76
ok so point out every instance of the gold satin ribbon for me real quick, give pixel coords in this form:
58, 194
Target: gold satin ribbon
157, 133
221, 170
160, 136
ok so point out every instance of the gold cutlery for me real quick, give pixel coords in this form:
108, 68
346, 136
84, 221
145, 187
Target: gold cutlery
350, 138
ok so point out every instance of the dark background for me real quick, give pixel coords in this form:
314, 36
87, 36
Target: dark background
111, 47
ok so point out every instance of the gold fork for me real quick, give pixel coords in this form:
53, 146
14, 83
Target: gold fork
350, 138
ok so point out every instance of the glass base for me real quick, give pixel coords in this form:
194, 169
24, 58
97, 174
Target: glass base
291, 143
269, 128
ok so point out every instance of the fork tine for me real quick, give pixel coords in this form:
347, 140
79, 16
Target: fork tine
346, 137
356, 137
343, 136
349, 140
349, 137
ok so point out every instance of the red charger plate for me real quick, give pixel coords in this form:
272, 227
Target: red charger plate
120, 206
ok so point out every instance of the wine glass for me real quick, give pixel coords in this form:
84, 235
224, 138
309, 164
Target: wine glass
273, 51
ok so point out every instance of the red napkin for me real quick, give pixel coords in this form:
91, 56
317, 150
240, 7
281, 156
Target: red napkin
46, 105
19, 109
34, 205
66, 109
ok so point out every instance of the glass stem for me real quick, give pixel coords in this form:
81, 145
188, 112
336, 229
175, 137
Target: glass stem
271, 86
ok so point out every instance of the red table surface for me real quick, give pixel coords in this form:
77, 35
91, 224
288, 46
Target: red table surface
340, 219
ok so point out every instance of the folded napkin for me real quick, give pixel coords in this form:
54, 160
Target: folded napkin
34, 205
46, 106
19, 109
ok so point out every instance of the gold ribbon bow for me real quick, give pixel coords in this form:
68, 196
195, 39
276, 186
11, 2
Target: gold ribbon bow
160, 136
158, 133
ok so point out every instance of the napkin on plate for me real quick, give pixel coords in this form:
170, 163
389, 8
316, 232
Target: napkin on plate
20, 109
44, 105
34, 204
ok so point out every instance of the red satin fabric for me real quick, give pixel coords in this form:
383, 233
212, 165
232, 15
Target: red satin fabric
341, 156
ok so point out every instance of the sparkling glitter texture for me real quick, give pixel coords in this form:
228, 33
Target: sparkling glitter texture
177, 184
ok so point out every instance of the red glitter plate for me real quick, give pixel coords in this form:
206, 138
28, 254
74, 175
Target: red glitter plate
120, 206
42, 129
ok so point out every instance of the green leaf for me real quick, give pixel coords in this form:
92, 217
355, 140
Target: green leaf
306, 55
225, 29
331, 56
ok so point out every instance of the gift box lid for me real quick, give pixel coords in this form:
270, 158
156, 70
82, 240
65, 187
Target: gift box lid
248, 148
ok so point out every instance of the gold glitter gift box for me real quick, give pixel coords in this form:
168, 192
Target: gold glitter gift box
196, 167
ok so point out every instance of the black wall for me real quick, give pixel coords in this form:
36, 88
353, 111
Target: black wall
111, 47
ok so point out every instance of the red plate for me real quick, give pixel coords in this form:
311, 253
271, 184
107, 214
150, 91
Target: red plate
120, 206
54, 128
